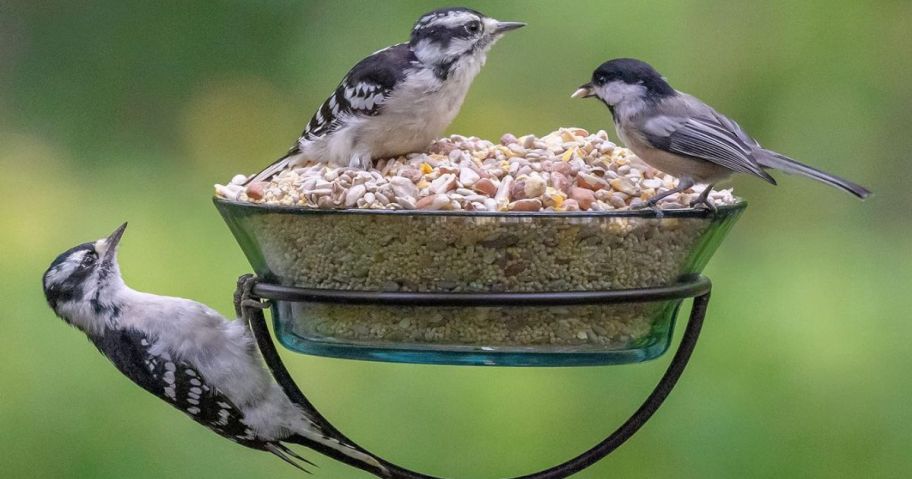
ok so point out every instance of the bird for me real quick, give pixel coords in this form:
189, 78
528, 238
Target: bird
677, 133
186, 354
399, 99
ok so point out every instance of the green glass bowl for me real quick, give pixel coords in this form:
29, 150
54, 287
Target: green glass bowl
424, 251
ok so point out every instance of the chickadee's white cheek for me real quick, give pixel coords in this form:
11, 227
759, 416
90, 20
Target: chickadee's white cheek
616, 92
608, 93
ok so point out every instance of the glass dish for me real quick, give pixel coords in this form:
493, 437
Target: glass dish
462, 252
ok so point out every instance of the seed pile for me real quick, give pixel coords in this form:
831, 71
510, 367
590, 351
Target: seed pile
566, 170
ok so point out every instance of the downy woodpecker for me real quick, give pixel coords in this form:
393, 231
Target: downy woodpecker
186, 354
399, 99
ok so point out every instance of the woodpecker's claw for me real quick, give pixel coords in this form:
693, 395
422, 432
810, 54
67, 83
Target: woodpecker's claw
254, 304
248, 298
244, 297
239, 291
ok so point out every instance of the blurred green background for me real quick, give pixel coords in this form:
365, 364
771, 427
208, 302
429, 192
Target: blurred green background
130, 110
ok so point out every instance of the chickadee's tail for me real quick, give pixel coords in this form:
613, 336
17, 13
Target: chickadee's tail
275, 167
340, 451
788, 165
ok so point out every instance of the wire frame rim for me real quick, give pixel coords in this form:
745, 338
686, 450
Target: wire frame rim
687, 287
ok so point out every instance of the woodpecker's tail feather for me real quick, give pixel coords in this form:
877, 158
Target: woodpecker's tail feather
294, 454
341, 452
788, 165
275, 167
283, 453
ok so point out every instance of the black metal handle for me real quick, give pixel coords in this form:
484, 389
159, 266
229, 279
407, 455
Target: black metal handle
250, 291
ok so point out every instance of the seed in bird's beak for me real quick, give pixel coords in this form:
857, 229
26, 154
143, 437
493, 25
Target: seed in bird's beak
503, 27
584, 91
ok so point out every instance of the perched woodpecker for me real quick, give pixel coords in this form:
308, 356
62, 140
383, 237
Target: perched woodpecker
401, 98
680, 135
186, 354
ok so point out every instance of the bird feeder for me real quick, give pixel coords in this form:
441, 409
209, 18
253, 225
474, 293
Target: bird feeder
473, 288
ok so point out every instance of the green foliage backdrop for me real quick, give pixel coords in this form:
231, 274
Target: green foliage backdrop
129, 110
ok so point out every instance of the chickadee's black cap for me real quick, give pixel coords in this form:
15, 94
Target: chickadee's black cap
632, 71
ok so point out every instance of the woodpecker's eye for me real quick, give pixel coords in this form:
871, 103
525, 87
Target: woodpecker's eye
473, 27
89, 259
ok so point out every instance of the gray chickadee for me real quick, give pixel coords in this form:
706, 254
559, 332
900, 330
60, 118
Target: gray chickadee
186, 354
680, 135
399, 99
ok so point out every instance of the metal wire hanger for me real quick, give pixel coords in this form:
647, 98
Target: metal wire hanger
249, 305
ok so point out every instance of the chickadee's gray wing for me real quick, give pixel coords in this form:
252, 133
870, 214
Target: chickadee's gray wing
704, 133
175, 382
363, 90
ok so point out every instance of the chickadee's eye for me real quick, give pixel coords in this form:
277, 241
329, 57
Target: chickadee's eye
473, 27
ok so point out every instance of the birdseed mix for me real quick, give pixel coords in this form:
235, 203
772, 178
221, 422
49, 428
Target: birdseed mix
568, 170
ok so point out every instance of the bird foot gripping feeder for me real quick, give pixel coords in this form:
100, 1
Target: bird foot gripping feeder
511, 289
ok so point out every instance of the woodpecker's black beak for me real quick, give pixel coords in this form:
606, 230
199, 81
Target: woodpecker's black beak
584, 91
108, 246
504, 27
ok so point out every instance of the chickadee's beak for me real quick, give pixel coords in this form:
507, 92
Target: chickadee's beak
584, 91
504, 27
107, 247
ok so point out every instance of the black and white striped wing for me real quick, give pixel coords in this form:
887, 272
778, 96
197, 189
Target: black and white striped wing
175, 382
710, 136
363, 91
350, 99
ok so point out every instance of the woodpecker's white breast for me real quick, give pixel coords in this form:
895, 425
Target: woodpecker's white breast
418, 111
